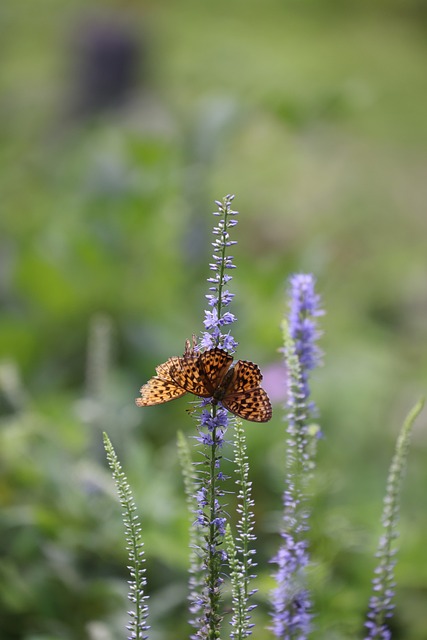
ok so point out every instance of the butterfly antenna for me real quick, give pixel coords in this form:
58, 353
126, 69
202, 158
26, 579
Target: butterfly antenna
190, 348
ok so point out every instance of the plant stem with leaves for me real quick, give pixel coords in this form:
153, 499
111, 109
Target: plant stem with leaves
291, 600
381, 603
240, 551
134, 545
212, 425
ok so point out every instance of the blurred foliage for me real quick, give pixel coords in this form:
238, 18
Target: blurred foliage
314, 115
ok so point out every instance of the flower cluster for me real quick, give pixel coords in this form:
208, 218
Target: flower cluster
219, 298
212, 425
291, 600
304, 310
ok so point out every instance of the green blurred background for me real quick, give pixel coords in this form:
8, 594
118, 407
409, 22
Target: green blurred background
120, 123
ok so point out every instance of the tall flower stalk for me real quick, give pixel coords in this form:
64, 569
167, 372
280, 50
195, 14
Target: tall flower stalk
216, 317
212, 425
292, 615
137, 626
304, 309
381, 603
240, 551
196, 575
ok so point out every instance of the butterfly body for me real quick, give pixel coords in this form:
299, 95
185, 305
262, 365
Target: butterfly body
210, 375
221, 392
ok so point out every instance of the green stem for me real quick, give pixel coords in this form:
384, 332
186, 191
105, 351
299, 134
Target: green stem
391, 506
223, 256
213, 560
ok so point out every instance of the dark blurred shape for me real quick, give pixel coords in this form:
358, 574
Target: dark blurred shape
107, 63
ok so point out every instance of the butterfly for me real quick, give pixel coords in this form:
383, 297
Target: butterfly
210, 375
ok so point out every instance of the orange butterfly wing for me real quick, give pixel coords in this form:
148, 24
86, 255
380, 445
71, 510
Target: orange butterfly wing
244, 397
254, 405
214, 364
161, 388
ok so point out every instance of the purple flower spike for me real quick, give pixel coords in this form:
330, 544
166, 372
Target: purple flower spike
292, 614
212, 426
219, 298
304, 310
